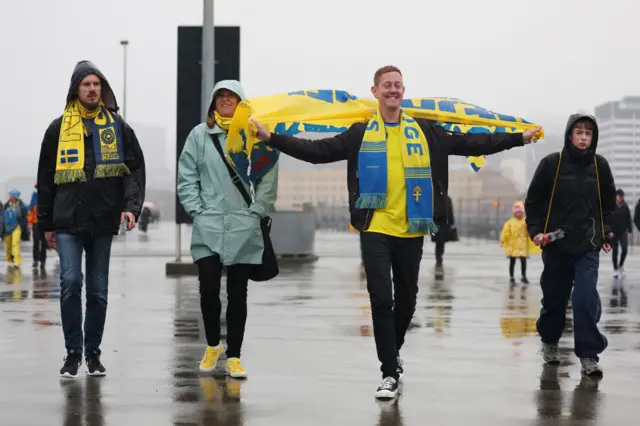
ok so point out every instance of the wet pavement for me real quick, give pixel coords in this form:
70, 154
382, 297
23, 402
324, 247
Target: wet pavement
471, 357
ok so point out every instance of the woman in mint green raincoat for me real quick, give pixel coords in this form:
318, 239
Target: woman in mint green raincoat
225, 230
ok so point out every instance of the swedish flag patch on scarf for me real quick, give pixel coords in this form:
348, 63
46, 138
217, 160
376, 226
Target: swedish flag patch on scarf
372, 172
107, 144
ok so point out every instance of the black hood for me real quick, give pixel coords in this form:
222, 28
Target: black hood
83, 69
573, 119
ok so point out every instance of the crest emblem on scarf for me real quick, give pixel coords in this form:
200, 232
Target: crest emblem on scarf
417, 192
108, 149
107, 136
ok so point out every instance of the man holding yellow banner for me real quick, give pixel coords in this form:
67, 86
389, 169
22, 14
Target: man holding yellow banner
397, 171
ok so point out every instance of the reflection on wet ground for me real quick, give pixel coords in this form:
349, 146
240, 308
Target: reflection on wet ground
471, 357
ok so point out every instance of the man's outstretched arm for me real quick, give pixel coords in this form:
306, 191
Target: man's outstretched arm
327, 150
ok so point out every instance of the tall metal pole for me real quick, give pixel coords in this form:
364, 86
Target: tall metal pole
208, 56
124, 44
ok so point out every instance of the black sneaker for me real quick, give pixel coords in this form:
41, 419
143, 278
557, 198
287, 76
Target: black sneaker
524, 280
388, 388
94, 366
70, 368
400, 369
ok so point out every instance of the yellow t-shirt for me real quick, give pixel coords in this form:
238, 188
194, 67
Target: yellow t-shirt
392, 220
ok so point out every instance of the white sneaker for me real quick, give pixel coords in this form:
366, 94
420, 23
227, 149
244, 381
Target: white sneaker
388, 388
622, 271
616, 274
590, 367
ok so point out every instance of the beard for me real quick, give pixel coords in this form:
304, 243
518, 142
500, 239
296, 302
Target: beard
91, 106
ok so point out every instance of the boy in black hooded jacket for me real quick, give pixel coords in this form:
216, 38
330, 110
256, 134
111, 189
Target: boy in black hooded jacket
573, 191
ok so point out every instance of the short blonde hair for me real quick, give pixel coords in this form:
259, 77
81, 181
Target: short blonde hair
384, 70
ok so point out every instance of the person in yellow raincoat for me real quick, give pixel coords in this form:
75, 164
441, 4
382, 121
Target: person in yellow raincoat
14, 221
515, 241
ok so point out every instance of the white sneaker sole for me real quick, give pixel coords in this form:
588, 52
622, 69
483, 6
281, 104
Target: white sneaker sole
386, 394
68, 376
237, 375
96, 373
206, 370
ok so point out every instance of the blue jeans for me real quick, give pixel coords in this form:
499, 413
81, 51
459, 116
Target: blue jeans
561, 273
98, 253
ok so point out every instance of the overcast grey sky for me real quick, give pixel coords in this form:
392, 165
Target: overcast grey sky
536, 59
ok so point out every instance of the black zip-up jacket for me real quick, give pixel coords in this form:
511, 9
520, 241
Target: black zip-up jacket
576, 206
94, 206
442, 143
621, 220
636, 215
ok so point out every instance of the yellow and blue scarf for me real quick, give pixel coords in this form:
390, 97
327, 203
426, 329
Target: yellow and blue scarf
372, 171
107, 144
333, 111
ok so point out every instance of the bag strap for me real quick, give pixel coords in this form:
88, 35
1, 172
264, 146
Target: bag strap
595, 161
237, 181
553, 191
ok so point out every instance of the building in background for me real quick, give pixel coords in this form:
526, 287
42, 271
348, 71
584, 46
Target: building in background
619, 132
316, 187
482, 201
153, 141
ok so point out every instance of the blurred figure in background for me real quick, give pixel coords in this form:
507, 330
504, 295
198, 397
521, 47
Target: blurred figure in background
621, 228
515, 241
39, 241
143, 222
447, 232
15, 220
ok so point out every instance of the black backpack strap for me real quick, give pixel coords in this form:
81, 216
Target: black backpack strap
237, 181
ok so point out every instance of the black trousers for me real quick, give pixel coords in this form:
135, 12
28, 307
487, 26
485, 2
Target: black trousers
39, 244
393, 301
210, 276
623, 241
439, 251
523, 266
563, 273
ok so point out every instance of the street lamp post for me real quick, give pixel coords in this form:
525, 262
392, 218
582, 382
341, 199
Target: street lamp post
124, 44
208, 55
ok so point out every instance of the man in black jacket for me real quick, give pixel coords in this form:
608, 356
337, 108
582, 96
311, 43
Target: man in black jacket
621, 227
91, 178
388, 238
446, 233
572, 191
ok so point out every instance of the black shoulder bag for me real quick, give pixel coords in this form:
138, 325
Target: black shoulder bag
269, 268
